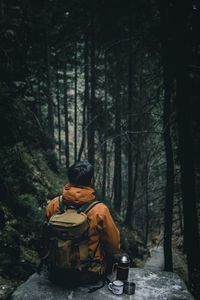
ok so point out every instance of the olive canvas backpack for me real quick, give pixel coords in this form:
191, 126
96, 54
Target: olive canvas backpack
66, 239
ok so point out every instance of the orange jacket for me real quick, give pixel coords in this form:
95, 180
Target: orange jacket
104, 237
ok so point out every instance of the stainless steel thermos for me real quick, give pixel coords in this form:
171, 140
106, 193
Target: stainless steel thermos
123, 267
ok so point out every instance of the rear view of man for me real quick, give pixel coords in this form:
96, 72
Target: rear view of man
103, 235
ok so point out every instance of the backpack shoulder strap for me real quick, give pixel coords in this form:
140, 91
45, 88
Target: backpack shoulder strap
84, 208
87, 206
91, 205
61, 204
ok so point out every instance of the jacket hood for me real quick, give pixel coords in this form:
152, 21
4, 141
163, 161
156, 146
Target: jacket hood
77, 194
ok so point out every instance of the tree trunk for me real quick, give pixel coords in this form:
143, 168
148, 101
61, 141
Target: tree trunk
2, 9
117, 141
186, 154
92, 100
58, 112
66, 120
169, 200
180, 218
168, 82
117, 162
129, 219
146, 200
86, 95
130, 129
105, 133
186, 147
39, 101
48, 74
75, 105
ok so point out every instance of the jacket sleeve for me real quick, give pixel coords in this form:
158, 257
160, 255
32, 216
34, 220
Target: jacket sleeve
109, 233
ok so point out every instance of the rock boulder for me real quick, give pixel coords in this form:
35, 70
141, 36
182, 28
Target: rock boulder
149, 285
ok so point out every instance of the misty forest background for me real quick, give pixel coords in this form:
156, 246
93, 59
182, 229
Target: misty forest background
117, 83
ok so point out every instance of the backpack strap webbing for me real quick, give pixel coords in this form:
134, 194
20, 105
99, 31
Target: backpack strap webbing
83, 208
61, 205
87, 206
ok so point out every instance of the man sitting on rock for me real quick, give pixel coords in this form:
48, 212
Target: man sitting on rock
103, 235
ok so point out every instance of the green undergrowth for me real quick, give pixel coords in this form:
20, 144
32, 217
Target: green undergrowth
26, 184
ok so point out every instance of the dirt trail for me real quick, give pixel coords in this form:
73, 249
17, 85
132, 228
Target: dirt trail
156, 261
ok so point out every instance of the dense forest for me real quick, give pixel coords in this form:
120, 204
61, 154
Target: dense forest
117, 83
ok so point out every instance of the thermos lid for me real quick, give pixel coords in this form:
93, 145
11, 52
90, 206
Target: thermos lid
125, 258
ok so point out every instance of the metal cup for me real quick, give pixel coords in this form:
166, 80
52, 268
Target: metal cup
116, 287
129, 287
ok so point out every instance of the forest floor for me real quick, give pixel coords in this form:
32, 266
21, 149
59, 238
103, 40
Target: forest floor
155, 261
